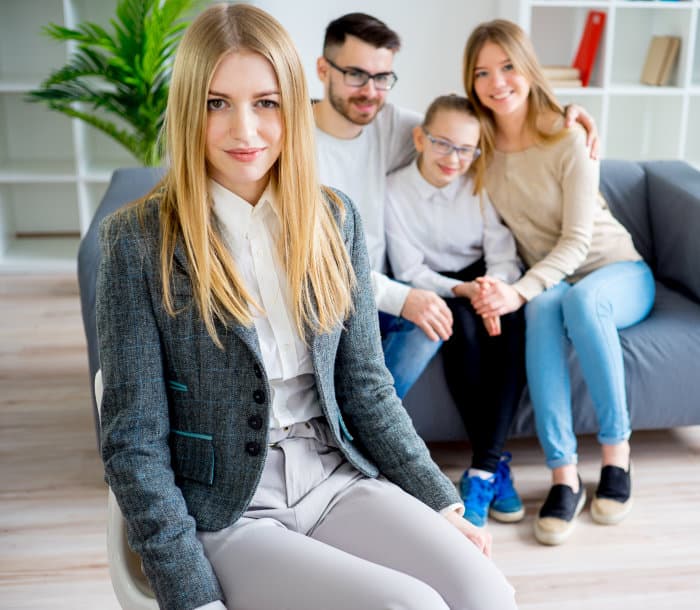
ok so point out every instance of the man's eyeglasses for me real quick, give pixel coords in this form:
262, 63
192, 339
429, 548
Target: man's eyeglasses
354, 77
445, 148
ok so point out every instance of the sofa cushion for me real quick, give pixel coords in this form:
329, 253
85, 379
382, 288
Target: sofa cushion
661, 363
661, 355
624, 186
674, 211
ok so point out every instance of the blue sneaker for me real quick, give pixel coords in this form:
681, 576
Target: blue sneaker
506, 505
477, 494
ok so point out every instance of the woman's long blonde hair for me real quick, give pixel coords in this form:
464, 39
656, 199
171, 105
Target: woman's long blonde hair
319, 275
518, 47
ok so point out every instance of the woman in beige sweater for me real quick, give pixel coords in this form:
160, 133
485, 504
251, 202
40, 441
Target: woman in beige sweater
585, 280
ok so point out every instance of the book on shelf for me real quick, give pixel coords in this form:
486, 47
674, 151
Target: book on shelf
589, 44
655, 57
669, 60
565, 83
561, 72
562, 76
660, 59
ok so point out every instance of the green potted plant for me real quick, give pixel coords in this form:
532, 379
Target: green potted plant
122, 73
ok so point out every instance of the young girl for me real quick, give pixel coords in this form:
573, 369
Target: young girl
250, 430
441, 236
585, 278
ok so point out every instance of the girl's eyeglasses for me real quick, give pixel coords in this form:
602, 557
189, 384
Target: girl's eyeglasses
445, 148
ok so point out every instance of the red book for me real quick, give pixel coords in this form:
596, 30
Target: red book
588, 47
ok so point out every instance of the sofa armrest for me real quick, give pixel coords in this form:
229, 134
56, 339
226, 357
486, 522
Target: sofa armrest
624, 186
674, 210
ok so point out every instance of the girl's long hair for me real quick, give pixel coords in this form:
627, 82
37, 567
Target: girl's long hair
319, 275
518, 47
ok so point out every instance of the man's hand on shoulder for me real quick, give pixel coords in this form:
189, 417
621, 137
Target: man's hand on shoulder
578, 114
429, 312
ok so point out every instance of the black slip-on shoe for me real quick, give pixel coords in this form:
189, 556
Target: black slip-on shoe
613, 497
557, 517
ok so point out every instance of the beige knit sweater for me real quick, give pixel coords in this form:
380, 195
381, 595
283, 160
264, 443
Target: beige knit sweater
548, 196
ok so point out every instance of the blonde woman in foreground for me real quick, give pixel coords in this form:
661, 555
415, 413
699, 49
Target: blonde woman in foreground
251, 432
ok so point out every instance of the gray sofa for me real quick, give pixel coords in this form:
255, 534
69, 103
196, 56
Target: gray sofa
659, 203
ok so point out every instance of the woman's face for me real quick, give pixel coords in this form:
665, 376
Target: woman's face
244, 124
497, 84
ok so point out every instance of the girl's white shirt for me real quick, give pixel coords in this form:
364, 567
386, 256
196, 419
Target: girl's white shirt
431, 229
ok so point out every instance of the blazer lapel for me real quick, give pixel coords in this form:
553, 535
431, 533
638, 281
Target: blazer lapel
246, 334
323, 348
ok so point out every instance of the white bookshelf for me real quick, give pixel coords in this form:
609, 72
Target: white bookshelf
636, 121
53, 169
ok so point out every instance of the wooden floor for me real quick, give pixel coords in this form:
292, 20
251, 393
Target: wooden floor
53, 499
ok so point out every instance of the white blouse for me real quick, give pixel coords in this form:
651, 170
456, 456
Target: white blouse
251, 235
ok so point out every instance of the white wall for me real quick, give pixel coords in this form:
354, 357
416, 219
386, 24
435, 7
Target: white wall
432, 34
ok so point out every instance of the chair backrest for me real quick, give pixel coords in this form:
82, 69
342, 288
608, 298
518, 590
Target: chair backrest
128, 580
127, 184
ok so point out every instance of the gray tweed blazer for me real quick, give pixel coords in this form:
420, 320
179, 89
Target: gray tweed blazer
184, 423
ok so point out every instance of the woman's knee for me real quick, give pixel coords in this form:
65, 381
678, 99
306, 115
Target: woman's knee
471, 581
582, 307
411, 594
485, 592
545, 308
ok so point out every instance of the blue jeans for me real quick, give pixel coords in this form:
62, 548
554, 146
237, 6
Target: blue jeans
407, 350
588, 314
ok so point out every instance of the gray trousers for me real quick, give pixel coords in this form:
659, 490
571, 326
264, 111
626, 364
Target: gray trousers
319, 535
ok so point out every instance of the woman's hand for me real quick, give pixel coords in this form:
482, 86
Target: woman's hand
493, 325
496, 298
470, 290
480, 537
578, 114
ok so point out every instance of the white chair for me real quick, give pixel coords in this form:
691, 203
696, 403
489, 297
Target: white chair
129, 583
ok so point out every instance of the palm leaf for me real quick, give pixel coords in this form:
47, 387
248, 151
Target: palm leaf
122, 71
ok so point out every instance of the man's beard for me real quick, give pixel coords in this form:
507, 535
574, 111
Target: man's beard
344, 107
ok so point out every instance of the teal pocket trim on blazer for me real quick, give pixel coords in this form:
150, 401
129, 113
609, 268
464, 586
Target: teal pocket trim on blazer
193, 456
344, 429
204, 437
177, 386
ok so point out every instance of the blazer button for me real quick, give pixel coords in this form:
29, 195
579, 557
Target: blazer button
255, 422
252, 448
257, 370
259, 396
